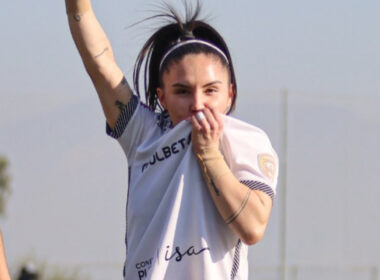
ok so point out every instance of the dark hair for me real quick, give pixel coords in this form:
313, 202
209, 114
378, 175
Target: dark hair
164, 38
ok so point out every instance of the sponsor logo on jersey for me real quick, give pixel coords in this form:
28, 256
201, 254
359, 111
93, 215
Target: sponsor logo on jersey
167, 151
176, 253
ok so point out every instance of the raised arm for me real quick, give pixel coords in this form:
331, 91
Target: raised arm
97, 56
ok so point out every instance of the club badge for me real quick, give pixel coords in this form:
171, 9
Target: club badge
267, 166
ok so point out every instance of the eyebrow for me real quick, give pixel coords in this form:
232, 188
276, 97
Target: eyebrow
187, 86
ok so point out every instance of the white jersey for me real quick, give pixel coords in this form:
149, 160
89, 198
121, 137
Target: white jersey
174, 230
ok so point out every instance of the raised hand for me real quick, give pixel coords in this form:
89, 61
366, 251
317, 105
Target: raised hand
207, 129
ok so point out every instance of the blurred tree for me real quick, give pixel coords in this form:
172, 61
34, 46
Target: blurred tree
5, 188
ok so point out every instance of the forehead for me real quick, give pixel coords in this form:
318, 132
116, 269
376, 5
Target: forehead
196, 67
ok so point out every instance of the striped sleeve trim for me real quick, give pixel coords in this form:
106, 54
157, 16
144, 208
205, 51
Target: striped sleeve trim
123, 119
255, 185
236, 261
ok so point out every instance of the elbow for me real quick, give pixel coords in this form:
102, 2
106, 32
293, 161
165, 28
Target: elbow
251, 239
98, 68
94, 70
254, 235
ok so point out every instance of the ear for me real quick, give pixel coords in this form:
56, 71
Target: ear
161, 97
230, 94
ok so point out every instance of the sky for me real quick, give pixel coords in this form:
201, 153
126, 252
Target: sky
69, 179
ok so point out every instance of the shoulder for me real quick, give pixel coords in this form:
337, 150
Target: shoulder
242, 132
248, 151
134, 115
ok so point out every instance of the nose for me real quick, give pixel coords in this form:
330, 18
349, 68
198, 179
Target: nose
197, 102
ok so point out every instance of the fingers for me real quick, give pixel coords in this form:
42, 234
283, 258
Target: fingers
207, 127
218, 119
213, 125
196, 123
208, 121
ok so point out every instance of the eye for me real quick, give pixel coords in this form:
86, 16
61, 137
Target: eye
211, 90
181, 91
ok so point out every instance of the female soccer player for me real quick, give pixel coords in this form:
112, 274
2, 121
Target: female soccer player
201, 183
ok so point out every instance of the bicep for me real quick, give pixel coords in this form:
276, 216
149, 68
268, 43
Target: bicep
113, 91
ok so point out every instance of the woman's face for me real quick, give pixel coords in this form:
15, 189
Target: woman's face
196, 81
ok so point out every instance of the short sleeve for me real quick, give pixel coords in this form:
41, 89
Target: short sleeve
250, 155
134, 123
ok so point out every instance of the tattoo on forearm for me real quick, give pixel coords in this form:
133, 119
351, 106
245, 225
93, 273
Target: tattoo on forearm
77, 17
120, 105
105, 49
214, 187
209, 181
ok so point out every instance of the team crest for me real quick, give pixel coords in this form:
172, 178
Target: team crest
267, 166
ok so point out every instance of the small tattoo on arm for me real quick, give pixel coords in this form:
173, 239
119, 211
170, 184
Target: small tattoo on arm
120, 105
124, 82
215, 188
98, 55
77, 17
